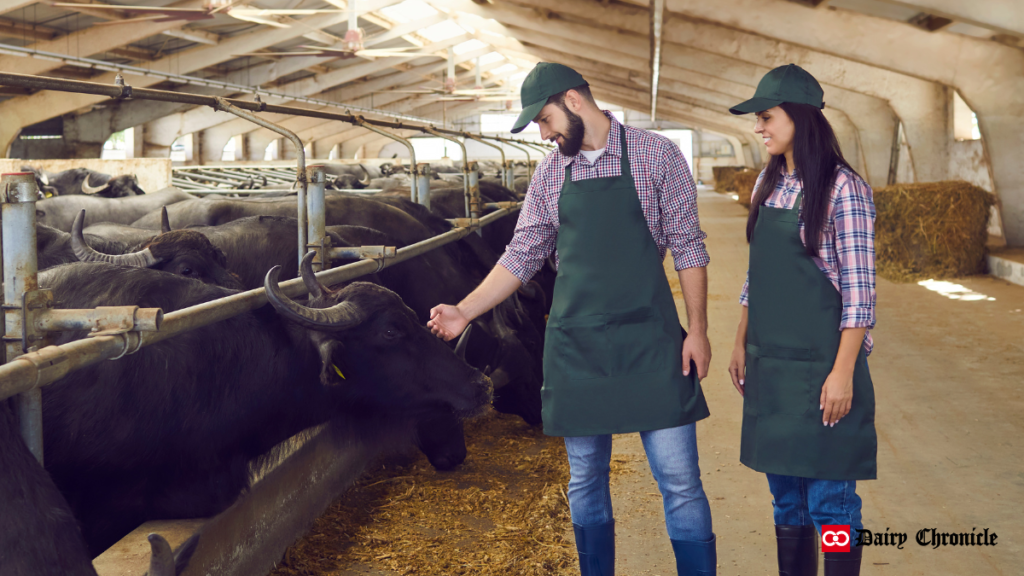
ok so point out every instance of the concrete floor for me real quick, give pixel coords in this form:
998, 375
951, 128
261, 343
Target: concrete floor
947, 376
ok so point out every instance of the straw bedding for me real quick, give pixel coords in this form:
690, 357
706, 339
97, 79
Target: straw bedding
931, 230
503, 512
724, 177
744, 182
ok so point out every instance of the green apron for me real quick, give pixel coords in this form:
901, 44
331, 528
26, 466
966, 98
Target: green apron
613, 343
792, 341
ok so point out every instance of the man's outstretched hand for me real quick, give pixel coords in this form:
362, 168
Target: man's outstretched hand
447, 321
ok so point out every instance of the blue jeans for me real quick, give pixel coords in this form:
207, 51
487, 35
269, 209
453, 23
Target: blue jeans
801, 501
672, 454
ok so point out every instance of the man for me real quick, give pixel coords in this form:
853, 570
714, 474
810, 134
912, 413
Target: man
610, 202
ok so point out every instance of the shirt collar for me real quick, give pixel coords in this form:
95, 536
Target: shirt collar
614, 145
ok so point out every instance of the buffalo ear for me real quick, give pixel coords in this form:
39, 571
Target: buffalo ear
332, 352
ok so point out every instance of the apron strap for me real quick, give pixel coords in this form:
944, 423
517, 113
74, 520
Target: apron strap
626, 171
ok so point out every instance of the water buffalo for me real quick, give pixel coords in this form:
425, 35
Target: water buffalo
342, 208
182, 252
170, 432
38, 532
53, 247
86, 181
60, 212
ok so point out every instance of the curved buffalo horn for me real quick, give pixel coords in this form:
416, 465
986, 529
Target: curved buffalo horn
87, 189
161, 561
460, 347
365, 180
316, 289
551, 264
338, 317
85, 253
165, 222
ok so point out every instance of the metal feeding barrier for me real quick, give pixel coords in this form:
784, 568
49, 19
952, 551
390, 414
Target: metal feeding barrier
29, 315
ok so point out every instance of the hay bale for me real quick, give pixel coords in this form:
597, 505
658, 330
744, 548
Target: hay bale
745, 182
724, 177
931, 230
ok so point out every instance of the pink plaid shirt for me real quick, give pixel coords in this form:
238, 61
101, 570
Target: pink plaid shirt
847, 245
668, 197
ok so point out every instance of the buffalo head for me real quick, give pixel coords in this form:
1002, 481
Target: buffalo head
116, 187
183, 252
374, 349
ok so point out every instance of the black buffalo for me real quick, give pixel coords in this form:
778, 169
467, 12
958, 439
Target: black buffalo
170, 431
60, 212
85, 181
38, 532
341, 209
182, 252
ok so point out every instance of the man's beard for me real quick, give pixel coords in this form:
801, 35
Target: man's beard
572, 140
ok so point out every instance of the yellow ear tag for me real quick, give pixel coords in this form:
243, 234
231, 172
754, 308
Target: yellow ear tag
336, 369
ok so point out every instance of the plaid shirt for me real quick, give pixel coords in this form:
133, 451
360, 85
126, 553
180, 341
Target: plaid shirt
668, 197
847, 245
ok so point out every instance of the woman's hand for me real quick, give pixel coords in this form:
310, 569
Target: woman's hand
836, 396
738, 361
738, 366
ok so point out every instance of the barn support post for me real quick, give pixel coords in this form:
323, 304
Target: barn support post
465, 161
423, 184
19, 194
504, 166
473, 201
361, 122
300, 158
316, 209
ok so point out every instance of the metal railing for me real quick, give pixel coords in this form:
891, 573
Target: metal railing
29, 313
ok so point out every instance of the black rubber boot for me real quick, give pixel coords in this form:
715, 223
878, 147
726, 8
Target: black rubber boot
843, 563
596, 547
798, 550
696, 558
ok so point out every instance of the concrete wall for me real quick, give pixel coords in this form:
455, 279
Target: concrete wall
154, 173
969, 161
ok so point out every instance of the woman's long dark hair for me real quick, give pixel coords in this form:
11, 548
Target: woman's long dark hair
817, 157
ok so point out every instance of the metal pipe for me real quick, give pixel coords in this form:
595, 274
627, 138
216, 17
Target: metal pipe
122, 92
316, 209
473, 201
529, 165
657, 27
423, 184
480, 139
51, 363
193, 80
300, 155
126, 318
18, 210
361, 122
465, 160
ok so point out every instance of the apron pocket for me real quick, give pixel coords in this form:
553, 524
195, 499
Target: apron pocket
785, 381
640, 343
581, 347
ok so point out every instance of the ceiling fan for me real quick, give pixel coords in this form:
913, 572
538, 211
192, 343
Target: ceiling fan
207, 12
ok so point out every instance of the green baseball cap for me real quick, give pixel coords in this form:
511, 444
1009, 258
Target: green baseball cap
544, 81
789, 83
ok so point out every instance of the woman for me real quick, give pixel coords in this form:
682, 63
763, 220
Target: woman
800, 360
